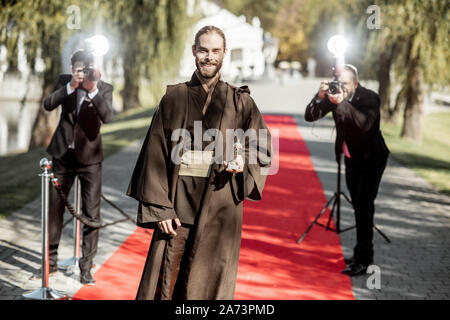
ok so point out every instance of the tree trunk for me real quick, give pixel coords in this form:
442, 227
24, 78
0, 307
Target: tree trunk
384, 79
46, 122
399, 106
132, 77
13, 57
413, 116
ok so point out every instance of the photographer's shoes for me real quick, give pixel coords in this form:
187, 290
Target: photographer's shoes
349, 260
51, 271
86, 278
355, 269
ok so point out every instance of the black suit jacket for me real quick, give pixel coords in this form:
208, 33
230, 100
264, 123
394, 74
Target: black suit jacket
84, 129
357, 122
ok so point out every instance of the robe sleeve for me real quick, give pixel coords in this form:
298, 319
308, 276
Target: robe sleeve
150, 179
254, 175
149, 214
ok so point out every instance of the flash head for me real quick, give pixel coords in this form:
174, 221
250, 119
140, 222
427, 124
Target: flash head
337, 45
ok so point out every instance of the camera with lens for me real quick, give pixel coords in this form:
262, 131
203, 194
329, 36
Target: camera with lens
335, 86
91, 73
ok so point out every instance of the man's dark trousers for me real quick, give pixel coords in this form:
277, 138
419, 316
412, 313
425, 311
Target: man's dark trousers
363, 181
65, 170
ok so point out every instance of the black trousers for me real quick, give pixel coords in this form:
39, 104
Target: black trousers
90, 176
363, 181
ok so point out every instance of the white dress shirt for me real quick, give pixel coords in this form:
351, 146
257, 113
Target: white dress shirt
81, 95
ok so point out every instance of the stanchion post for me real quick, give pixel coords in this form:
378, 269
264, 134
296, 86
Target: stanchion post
338, 199
45, 293
77, 223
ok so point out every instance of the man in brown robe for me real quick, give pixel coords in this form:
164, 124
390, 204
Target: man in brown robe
197, 211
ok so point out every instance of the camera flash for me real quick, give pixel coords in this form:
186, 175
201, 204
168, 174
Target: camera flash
98, 44
337, 45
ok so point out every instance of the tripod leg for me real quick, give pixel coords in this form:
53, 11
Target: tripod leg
317, 218
382, 234
346, 198
332, 211
349, 228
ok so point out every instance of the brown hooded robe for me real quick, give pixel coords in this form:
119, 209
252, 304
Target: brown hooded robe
212, 257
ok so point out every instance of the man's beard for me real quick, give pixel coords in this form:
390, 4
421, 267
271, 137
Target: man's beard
208, 72
350, 94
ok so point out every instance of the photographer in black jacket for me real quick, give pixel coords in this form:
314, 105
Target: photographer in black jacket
76, 149
356, 113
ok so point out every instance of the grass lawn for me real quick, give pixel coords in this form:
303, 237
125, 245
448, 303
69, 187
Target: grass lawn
431, 159
126, 128
19, 181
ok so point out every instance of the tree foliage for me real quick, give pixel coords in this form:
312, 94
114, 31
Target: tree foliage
266, 10
411, 43
150, 36
42, 26
414, 39
293, 42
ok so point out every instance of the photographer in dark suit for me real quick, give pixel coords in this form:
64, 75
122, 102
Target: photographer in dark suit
76, 148
356, 113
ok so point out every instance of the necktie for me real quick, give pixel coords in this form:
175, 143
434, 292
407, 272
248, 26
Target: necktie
81, 94
345, 149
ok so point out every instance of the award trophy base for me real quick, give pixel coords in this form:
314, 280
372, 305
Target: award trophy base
232, 165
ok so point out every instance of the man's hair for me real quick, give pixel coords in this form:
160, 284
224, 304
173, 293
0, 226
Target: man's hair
82, 55
352, 69
209, 29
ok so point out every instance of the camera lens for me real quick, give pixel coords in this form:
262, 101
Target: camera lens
333, 88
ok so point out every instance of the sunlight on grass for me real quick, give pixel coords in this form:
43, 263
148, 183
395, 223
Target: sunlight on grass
135, 123
431, 159
125, 129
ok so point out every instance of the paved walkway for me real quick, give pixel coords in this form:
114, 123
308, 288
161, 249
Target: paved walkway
416, 265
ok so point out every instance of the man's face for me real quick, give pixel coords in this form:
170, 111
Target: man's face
77, 71
350, 84
209, 54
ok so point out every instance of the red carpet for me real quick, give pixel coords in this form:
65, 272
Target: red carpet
118, 278
271, 265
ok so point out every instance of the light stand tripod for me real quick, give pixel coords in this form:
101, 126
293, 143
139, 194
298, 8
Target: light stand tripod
336, 200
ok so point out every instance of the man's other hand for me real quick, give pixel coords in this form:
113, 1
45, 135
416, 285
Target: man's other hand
75, 82
338, 97
240, 163
89, 85
323, 89
166, 226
